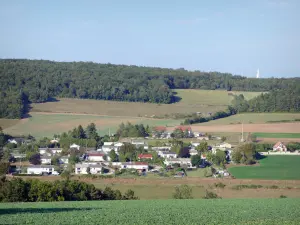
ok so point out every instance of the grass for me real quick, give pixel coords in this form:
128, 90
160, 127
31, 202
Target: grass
196, 173
241, 211
277, 135
270, 168
257, 118
45, 125
6, 123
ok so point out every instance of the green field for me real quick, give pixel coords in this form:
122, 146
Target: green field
277, 135
270, 168
255, 118
45, 125
224, 211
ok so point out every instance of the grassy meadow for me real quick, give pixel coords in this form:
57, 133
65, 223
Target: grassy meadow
271, 168
241, 211
277, 135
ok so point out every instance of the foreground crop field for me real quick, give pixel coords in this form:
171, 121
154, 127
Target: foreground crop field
271, 167
256, 118
47, 124
227, 211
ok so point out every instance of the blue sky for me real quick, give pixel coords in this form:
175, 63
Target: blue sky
236, 36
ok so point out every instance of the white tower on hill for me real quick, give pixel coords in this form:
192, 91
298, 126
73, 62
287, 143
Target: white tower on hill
257, 73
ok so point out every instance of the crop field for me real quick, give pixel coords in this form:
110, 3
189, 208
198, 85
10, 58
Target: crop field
47, 124
5, 123
271, 167
222, 211
277, 135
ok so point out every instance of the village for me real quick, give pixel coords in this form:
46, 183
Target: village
142, 158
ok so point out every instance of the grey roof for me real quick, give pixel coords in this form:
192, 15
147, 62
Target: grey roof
166, 152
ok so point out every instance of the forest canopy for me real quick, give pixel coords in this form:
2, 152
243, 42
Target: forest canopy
24, 81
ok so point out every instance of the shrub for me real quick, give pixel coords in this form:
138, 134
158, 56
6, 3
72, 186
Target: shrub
210, 195
183, 192
219, 185
208, 172
282, 196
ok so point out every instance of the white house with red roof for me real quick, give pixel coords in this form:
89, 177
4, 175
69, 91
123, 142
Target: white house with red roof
279, 147
145, 156
95, 156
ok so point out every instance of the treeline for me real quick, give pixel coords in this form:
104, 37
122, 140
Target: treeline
37, 81
131, 130
217, 115
276, 101
19, 190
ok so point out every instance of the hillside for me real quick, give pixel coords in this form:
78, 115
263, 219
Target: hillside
224, 211
34, 81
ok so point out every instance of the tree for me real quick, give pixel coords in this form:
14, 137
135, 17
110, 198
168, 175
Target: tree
73, 159
220, 158
113, 156
183, 192
178, 133
35, 159
4, 168
88, 170
184, 152
244, 153
196, 160
91, 132
208, 172
223, 139
203, 147
55, 160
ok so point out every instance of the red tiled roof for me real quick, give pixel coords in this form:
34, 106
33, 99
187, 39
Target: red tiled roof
145, 156
160, 128
184, 128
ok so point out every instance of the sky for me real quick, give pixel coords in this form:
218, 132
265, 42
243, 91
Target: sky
235, 36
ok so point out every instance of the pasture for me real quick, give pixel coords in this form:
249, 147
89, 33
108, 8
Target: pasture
47, 124
271, 167
241, 211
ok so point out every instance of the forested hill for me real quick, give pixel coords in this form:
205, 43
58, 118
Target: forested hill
24, 81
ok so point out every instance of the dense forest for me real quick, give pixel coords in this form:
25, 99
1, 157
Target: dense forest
24, 81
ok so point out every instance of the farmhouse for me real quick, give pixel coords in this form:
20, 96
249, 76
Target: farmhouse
279, 147
95, 156
180, 161
161, 148
145, 156
45, 159
167, 155
185, 128
108, 146
140, 166
50, 151
39, 169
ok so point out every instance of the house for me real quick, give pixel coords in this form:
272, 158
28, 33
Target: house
108, 146
75, 146
180, 161
140, 166
40, 169
193, 152
85, 168
64, 160
279, 147
162, 148
145, 156
167, 154
138, 142
45, 159
185, 128
95, 156
159, 131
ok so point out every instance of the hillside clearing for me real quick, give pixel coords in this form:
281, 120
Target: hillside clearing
241, 211
271, 167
